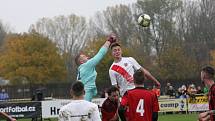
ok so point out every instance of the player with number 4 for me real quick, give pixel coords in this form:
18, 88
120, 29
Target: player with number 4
142, 104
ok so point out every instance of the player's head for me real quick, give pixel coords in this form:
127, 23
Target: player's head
207, 73
77, 89
168, 84
139, 77
113, 93
116, 50
81, 58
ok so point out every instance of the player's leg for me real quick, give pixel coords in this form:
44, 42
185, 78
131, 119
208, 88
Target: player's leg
88, 95
94, 90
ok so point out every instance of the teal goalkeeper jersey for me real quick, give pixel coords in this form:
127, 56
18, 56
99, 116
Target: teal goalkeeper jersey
87, 71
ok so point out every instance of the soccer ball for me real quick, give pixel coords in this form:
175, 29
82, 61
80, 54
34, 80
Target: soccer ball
144, 20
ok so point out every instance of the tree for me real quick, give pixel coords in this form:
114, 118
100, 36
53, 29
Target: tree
163, 30
199, 31
68, 32
117, 19
31, 58
2, 33
212, 60
175, 64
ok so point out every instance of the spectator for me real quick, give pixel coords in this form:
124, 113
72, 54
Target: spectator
205, 90
110, 105
39, 94
4, 95
179, 92
199, 90
183, 91
167, 88
171, 92
191, 91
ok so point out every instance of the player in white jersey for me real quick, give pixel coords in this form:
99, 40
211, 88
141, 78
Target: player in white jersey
79, 109
122, 70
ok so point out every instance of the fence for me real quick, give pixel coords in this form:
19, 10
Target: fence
56, 90
61, 90
50, 108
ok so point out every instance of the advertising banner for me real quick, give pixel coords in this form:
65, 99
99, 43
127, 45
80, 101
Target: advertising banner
170, 105
50, 109
99, 101
199, 103
21, 109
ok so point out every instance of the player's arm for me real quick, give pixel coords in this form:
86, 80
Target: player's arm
95, 114
103, 50
101, 53
150, 77
7, 117
63, 116
121, 112
155, 107
116, 117
205, 116
122, 107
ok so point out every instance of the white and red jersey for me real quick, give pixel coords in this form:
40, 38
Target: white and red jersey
121, 73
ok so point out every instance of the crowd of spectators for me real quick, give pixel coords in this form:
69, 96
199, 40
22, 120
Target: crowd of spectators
3, 94
184, 91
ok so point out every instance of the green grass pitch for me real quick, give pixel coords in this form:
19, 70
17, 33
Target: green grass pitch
178, 117
162, 117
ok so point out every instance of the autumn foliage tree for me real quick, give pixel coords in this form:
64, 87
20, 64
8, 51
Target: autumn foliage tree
31, 58
174, 64
212, 55
68, 32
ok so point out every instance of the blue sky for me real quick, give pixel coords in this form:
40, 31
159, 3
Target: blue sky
20, 14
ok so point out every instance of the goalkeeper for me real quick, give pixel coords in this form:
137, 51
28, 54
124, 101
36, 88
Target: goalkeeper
86, 68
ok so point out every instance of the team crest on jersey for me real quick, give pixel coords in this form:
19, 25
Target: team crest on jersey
125, 64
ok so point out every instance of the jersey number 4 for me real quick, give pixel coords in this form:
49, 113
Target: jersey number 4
140, 107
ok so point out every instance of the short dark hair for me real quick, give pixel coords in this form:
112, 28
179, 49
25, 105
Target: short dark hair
209, 71
77, 88
112, 89
139, 77
114, 45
